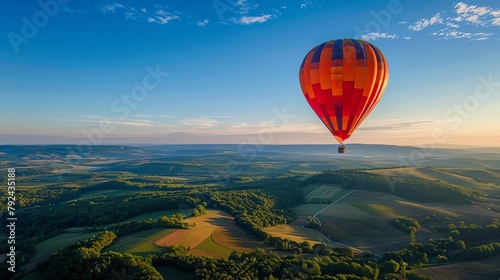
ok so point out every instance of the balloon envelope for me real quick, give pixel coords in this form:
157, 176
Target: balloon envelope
342, 81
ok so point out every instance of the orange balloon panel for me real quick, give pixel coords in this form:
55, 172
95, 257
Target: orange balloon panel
342, 81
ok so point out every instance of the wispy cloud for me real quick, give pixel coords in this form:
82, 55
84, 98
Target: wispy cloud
461, 21
454, 34
376, 35
200, 122
253, 19
202, 23
160, 15
112, 8
107, 121
423, 23
305, 4
151, 116
472, 13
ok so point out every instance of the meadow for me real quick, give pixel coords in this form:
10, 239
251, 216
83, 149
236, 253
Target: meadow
213, 234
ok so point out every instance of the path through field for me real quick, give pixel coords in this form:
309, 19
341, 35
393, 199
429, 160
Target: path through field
331, 242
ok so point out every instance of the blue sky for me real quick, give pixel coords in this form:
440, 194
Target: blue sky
226, 71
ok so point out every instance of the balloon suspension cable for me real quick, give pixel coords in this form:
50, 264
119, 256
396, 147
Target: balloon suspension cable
352, 149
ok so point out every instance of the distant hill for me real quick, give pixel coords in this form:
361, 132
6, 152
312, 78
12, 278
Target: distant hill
360, 155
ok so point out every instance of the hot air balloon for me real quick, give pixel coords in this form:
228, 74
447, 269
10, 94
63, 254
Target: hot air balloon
343, 80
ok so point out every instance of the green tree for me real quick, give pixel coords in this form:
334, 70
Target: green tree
391, 266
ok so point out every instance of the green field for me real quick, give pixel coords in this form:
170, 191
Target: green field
297, 234
378, 210
140, 243
214, 234
213, 249
321, 193
49, 246
155, 215
486, 269
308, 209
454, 176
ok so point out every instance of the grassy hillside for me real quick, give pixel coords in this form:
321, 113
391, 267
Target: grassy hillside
479, 179
416, 189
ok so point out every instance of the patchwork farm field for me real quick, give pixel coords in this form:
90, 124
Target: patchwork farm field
487, 269
297, 234
361, 219
349, 225
322, 193
214, 234
386, 206
49, 246
140, 243
480, 179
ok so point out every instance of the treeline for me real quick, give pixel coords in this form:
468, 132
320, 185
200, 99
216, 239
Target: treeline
83, 260
122, 229
41, 196
58, 193
260, 264
452, 247
135, 184
175, 221
408, 225
36, 224
420, 190
472, 233
483, 251
96, 212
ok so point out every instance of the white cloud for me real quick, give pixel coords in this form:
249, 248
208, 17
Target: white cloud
249, 20
406, 37
452, 25
107, 121
164, 20
423, 23
455, 34
376, 35
202, 23
461, 21
462, 8
200, 122
161, 13
151, 116
476, 15
306, 4
111, 8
